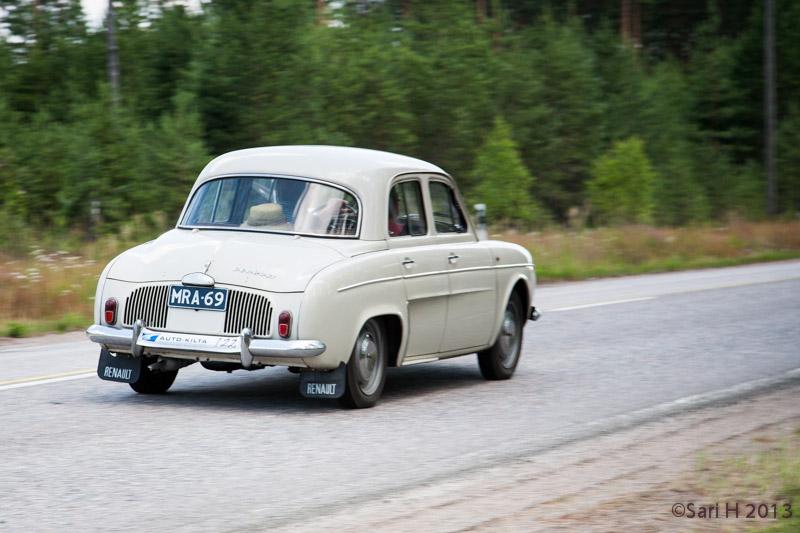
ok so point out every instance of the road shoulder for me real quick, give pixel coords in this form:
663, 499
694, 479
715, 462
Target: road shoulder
626, 480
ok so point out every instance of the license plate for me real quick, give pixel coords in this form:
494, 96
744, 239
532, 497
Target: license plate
198, 298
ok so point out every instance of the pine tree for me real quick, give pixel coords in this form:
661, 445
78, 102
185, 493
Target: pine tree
503, 182
560, 134
789, 162
670, 135
621, 187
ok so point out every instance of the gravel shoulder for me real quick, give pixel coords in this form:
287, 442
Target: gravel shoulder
626, 480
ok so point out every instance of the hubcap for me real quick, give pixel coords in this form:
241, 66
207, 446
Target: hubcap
368, 363
509, 338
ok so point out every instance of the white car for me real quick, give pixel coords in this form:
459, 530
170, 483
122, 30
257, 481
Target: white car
335, 262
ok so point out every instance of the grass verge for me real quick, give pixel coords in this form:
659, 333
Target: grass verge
575, 255
26, 328
764, 482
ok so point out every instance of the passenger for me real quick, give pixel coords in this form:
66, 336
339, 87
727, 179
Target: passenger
395, 228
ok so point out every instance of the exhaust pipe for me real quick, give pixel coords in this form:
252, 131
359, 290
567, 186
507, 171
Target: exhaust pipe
535, 314
168, 364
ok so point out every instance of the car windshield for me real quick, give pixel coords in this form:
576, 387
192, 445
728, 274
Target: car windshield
274, 204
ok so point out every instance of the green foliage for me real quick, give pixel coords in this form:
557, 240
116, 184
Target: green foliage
789, 162
422, 78
71, 321
349, 90
719, 110
668, 133
621, 187
559, 119
623, 76
16, 330
449, 67
504, 184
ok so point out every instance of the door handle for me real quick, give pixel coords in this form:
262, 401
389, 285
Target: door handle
453, 258
407, 262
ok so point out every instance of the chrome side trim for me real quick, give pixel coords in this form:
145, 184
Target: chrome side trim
407, 362
370, 282
434, 273
515, 265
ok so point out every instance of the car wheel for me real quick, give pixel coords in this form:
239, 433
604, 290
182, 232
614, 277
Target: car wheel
500, 361
153, 382
366, 370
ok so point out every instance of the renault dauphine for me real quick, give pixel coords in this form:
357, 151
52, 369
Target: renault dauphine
337, 263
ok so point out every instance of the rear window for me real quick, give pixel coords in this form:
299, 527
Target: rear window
281, 205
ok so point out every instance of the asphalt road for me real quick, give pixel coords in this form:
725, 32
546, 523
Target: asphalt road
245, 452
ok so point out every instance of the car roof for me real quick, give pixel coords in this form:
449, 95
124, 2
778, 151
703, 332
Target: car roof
359, 169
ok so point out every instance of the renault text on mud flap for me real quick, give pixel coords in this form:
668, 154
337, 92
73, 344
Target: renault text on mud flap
117, 373
328, 389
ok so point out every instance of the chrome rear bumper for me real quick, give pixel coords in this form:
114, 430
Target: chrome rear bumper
243, 348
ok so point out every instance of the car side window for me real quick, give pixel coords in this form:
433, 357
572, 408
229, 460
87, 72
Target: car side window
447, 214
406, 212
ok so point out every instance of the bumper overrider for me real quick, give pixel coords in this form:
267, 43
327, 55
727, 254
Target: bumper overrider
243, 348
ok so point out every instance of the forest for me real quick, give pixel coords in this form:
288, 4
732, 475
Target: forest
591, 112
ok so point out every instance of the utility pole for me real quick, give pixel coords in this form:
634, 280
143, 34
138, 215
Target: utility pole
113, 56
769, 106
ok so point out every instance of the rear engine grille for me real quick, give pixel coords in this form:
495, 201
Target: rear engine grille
247, 310
148, 304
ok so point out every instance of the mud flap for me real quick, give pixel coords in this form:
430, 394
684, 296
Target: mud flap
120, 368
323, 383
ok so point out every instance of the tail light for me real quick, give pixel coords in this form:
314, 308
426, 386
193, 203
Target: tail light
285, 324
111, 311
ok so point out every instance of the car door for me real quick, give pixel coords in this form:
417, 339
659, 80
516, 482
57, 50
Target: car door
472, 277
423, 266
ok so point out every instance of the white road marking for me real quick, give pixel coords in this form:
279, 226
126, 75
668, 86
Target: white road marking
30, 382
670, 293
598, 304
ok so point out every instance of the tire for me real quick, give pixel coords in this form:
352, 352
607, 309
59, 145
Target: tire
153, 382
366, 369
500, 361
